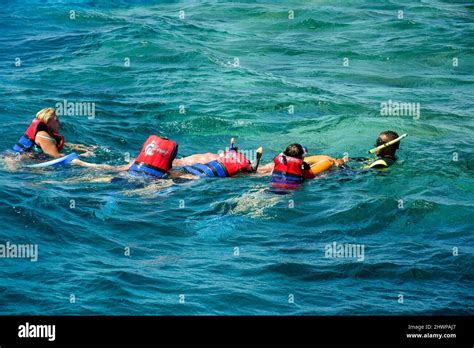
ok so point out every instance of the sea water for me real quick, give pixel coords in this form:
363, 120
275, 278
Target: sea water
319, 73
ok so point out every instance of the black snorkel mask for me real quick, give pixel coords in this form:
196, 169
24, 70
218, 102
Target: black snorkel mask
379, 142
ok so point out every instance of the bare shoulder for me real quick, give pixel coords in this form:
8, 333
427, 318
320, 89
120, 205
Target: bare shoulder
43, 133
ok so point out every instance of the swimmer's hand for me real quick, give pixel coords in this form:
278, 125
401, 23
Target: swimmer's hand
340, 161
356, 159
87, 154
87, 151
124, 167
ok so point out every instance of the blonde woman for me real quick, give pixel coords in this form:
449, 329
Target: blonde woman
42, 139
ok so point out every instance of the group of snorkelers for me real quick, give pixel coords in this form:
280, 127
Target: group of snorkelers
42, 141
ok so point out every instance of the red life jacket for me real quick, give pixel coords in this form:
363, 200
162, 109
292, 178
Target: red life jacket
288, 172
235, 162
27, 141
228, 164
156, 156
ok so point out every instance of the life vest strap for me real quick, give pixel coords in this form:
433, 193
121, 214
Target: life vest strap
194, 171
207, 169
286, 179
286, 174
142, 167
220, 168
211, 169
285, 184
24, 144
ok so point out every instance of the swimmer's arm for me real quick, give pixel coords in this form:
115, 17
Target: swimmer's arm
339, 162
179, 162
87, 150
125, 167
78, 147
357, 159
307, 173
266, 169
48, 146
121, 168
78, 162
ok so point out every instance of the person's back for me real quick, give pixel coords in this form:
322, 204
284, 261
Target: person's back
289, 169
155, 158
226, 164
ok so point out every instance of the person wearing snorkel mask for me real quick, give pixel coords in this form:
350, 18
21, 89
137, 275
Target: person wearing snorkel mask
386, 146
385, 156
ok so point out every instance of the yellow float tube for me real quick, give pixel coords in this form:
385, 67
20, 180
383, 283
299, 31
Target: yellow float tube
319, 163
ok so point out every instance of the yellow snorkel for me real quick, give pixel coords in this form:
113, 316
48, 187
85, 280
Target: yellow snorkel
391, 142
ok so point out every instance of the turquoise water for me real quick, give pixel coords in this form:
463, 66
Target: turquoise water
227, 245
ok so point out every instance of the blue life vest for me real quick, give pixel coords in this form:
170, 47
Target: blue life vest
210, 169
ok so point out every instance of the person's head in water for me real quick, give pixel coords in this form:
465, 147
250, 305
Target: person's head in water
49, 116
295, 150
385, 137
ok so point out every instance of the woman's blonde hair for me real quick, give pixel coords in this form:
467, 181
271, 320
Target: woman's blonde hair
46, 114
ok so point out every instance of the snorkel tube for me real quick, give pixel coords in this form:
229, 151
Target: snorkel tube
257, 160
391, 142
232, 145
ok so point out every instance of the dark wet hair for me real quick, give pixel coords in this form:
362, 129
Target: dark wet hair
388, 136
295, 150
